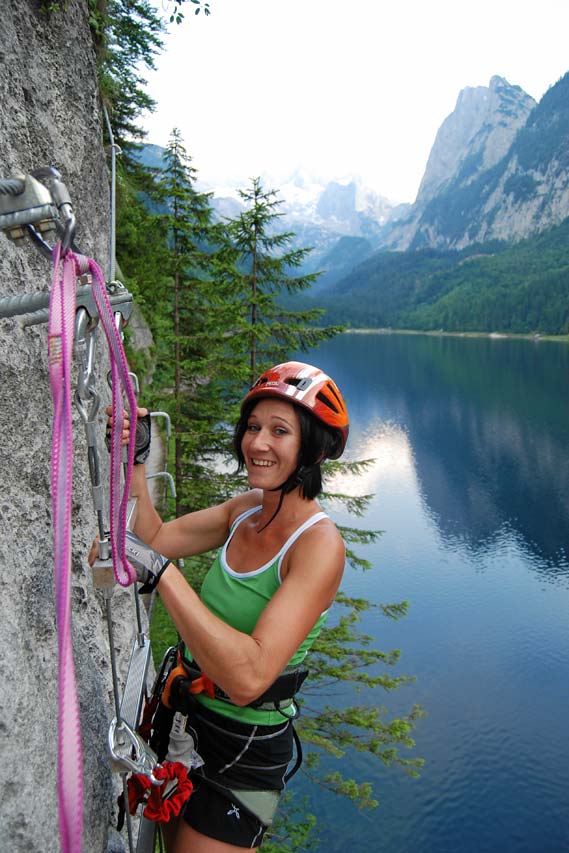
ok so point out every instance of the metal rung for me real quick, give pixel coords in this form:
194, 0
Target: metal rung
146, 836
164, 475
134, 689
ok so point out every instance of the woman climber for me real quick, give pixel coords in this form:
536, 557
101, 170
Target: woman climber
263, 602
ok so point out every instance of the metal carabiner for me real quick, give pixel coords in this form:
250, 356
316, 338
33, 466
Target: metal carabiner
129, 752
85, 344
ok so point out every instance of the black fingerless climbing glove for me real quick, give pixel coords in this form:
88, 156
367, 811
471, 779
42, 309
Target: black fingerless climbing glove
142, 441
148, 563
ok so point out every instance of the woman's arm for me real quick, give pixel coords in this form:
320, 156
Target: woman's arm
196, 532
245, 666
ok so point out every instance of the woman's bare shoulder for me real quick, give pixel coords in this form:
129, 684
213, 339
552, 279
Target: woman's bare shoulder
243, 502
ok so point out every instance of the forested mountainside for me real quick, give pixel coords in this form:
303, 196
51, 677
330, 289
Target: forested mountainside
486, 246
522, 288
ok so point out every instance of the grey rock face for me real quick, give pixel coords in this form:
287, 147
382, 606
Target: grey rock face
475, 136
50, 116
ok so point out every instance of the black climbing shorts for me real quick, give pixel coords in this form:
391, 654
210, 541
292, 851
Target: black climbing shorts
238, 759
213, 814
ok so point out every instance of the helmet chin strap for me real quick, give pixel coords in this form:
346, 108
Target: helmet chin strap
294, 481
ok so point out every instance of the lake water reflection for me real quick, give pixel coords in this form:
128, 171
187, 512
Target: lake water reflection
470, 439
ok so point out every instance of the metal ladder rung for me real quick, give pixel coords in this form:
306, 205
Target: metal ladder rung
131, 705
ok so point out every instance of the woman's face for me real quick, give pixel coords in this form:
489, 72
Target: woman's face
271, 443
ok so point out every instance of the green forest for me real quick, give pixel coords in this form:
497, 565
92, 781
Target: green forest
521, 289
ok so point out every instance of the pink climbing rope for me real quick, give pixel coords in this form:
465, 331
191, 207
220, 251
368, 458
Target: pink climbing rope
61, 328
122, 388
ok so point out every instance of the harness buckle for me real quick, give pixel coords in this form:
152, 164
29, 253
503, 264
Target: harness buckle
203, 684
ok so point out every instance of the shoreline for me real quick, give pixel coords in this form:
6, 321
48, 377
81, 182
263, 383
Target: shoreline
535, 337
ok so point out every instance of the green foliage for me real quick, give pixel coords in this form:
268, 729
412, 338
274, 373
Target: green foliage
295, 828
50, 7
545, 138
178, 16
494, 287
127, 35
198, 372
265, 269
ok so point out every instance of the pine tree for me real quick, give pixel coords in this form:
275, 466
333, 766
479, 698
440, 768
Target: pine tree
127, 35
191, 346
268, 268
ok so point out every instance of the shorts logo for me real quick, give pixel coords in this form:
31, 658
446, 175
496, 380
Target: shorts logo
235, 811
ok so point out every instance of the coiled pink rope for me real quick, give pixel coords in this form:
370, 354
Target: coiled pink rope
61, 328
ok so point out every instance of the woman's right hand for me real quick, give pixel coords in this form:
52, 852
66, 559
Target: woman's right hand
143, 433
141, 413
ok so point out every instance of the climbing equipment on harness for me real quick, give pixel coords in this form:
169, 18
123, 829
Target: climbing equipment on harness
163, 802
186, 679
176, 687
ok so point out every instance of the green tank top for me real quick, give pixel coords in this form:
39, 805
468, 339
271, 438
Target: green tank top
239, 599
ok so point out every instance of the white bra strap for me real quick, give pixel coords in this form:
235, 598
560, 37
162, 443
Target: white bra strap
242, 517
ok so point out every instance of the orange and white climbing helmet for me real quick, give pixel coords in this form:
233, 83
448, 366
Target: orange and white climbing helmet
309, 387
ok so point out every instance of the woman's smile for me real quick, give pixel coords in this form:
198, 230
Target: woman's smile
271, 443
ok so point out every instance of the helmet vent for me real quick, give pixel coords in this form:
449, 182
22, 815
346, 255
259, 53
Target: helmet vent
302, 383
327, 402
333, 391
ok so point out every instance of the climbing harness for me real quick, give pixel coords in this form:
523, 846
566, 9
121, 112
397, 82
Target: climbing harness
37, 207
186, 679
174, 711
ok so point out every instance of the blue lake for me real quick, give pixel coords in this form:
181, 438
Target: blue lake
470, 438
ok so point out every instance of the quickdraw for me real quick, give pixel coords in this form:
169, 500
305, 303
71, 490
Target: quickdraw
149, 782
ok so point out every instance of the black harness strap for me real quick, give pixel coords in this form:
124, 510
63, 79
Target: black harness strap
187, 678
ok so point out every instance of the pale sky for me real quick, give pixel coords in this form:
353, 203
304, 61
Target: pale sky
337, 89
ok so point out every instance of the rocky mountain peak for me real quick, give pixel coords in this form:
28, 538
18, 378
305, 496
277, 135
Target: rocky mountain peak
475, 136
